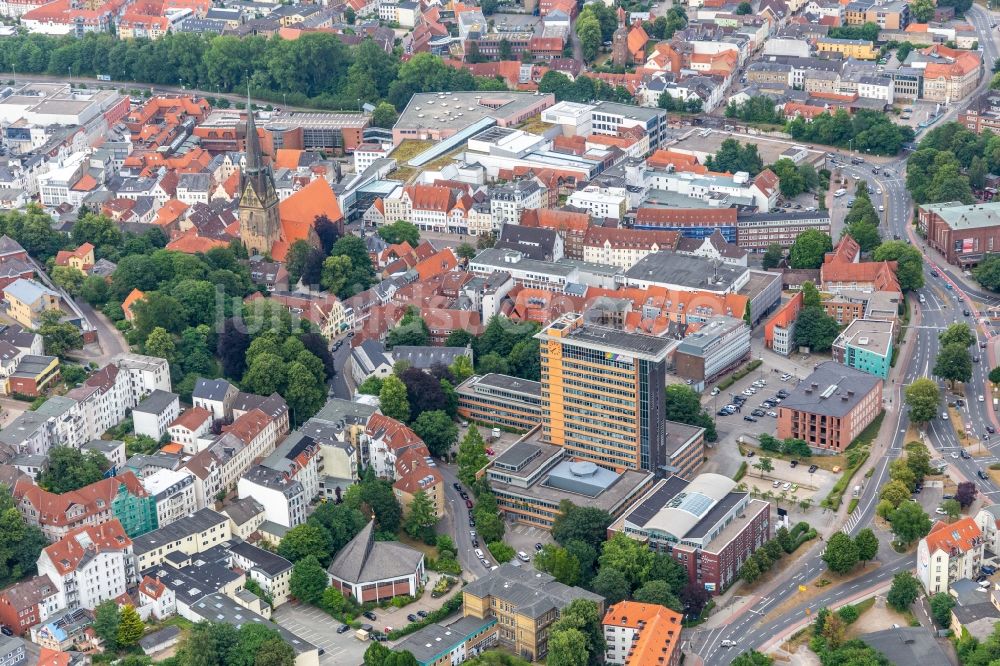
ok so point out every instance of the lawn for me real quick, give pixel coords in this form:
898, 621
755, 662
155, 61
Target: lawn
535, 125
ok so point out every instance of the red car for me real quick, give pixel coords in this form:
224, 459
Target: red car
489, 452
468, 503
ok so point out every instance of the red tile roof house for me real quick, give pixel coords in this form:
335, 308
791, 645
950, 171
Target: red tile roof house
27, 603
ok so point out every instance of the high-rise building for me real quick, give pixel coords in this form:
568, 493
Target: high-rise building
603, 394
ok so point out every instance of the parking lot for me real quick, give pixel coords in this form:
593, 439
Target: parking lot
742, 406
320, 629
524, 537
798, 483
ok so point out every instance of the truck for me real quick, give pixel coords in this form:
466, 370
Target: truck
361, 635
496, 433
103, 77
839, 193
857, 491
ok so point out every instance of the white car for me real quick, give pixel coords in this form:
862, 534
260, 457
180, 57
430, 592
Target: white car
747, 392
954, 454
523, 556
728, 643
776, 484
479, 553
786, 486
944, 415
773, 414
941, 512
981, 399
715, 391
785, 377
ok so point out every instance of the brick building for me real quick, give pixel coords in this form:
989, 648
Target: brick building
963, 234
830, 407
705, 524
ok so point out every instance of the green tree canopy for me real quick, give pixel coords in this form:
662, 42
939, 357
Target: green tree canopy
308, 580
809, 249
923, 398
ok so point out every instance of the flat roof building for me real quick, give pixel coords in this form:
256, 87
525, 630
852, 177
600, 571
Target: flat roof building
963, 234
830, 407
705, 524
502, 400
439, 115
686, 273
531, 479
866, 345
443, 645
603, 394
718, 346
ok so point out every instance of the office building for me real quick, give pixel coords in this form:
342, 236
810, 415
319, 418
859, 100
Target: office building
603, 394
500, 400
756, 231
718, 346
866, 345
531, 479
830, 407
705, 524
525, 603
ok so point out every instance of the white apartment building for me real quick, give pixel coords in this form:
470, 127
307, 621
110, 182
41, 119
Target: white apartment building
272, 572
174, 493
610, 202
89, 565
219, 466
109, 393
152, 416
949, 553
189, 426
366, 154
508, 201
215, 395
55, 186
286, 481
626, 621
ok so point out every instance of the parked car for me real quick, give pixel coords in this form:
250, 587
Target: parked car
715, 391
794, 464
468, 503
989, 570
773, 414
412, 618
422, 613
758, 412
776, 484
941, 512
751, 419
538, 546
343, 628
813, 468
370, 616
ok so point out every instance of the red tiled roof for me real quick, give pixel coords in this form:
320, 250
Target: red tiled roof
962, 535
67, 553
631, 238
52, 509
191, 418
685, 217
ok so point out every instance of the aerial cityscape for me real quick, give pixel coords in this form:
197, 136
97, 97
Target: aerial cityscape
499, 332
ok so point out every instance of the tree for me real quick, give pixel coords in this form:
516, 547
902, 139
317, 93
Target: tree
810, 295
107, 619
371, 386
922, 10
208, 644
923, 397
400, 231
953, 363
567, 648
501, 551
987, 273
559, 562
588, 29
684, 406
763, 465
904, 591
160, 344
582, 615
959, 334
790, 180
952, 508
586, 555
744, 8
471, 456
909, 522
254, 641
576, 523
392, 399
750, 571
71, 469
421, 518
866, 234
59, 338
994, 375
466, 251
732, 156
631, 557
130, 627
69, 279
941, 605
437, 430
815, 329
667, 569
376, 654
773, 256
841, 554
308, 580
966, 493
867, 545
809, 249
303, 541
384, 115
895, 492
658, 592
342, 522
610, 584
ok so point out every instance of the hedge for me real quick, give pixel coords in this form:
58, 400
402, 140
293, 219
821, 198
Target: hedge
740, 374
741, 472
857, 454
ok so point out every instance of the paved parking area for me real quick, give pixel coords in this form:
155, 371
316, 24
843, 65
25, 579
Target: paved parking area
815, 486
320, 629
524, 537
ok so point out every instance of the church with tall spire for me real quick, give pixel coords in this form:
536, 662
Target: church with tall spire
260, 221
